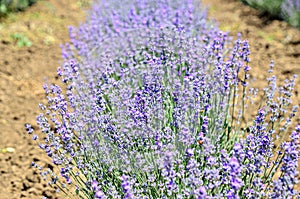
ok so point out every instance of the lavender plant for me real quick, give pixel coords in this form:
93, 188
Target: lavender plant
268, 6
289, 10
108, 20
157, 109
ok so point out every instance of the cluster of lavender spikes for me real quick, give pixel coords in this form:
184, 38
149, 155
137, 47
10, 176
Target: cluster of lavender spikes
155, 106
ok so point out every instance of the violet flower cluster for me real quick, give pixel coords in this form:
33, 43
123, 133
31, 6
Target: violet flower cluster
154, 105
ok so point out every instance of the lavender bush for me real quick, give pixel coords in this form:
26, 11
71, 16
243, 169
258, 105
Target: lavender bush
155, 105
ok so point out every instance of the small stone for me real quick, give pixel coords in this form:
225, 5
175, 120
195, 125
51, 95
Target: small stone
7, 150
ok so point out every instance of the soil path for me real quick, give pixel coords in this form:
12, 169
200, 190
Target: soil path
22, 73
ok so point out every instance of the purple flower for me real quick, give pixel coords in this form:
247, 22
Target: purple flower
284, 186
99, 195
149, 104
34, 137
126, 185
95, 185
29, 128
202, 193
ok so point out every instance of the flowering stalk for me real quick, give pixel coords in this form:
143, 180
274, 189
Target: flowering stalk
152, 110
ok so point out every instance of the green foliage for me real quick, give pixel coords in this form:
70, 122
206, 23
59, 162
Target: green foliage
294, 20
7, 6
267, 6
21, 40
4, 4
291, 12
288, 10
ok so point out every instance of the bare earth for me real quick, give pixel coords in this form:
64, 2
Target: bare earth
24, 69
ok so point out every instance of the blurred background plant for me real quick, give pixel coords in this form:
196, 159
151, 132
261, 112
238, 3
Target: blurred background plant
21, 40
288, 10
271, 7
7, 6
